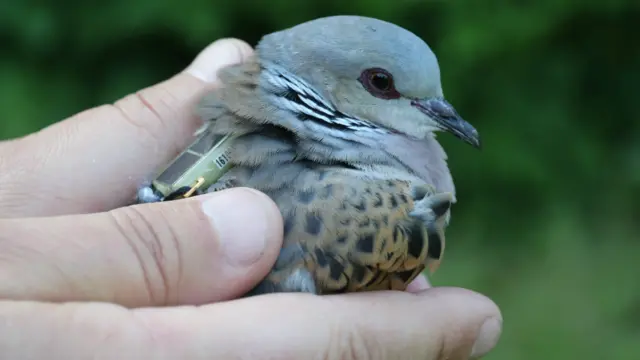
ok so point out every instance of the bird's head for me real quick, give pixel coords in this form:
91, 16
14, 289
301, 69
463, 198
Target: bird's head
371, 70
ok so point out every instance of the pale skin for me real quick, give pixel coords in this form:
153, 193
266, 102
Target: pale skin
83, 276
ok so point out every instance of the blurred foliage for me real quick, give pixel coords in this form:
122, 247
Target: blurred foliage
545, 224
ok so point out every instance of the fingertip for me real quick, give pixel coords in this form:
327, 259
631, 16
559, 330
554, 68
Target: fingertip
490, 329
474, 321
248, 224
219, 54
420, 283
480, 303
248, 227
266, 203
488, 337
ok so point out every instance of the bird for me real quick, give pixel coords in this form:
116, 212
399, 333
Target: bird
335, 119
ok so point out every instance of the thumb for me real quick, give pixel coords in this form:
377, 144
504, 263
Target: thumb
199, 250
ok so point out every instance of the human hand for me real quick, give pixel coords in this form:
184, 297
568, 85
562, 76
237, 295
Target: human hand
84, 276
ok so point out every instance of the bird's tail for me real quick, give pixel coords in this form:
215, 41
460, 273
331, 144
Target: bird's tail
433, 210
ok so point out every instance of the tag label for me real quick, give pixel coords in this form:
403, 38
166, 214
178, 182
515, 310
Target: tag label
222, 160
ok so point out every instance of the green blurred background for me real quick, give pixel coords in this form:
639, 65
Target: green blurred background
546, 224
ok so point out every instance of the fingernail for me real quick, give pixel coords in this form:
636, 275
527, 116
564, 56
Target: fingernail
487, 337
243, 222
217, 55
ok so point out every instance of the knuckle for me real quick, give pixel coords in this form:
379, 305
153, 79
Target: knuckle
348, 341
153, 104
132, 117
154, 245
100, 333
144, 111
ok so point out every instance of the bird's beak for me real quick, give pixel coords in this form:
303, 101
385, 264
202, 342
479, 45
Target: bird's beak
447, 118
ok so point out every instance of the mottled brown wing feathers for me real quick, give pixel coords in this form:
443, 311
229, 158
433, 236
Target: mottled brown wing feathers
354, 234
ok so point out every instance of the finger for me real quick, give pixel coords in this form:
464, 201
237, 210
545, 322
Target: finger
418, 284
204, 249
436, 325
95, 160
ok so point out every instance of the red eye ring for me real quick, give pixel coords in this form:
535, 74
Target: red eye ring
379, 83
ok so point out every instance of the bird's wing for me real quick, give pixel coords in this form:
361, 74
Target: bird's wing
347, 233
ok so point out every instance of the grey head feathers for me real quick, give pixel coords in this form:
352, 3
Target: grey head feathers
347, 89
347, 45
332, 53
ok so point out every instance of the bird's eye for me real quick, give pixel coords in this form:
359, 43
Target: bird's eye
379, 83
380, 80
